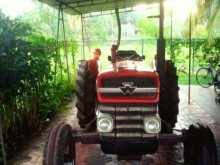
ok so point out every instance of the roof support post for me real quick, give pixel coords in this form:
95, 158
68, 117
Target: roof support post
172, 55
58, 57
61, 19
190, 57
160, 58
83, 37
65, 45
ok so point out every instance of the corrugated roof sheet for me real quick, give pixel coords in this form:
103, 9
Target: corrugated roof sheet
76, 7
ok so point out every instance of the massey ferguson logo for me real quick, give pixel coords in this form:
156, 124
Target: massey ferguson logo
127, 88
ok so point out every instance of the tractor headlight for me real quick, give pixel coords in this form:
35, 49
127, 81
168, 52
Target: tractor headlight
104, 123
152, 124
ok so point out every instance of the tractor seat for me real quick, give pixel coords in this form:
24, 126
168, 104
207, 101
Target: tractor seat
128, 55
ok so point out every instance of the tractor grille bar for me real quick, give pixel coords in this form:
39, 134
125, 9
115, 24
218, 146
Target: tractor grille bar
129, 121
118, 92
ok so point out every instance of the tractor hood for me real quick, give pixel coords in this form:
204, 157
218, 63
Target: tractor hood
128, 86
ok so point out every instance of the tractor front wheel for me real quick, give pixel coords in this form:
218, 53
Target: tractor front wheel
199, 146
60, 147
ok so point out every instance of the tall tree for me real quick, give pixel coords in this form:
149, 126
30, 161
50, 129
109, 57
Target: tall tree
208, 11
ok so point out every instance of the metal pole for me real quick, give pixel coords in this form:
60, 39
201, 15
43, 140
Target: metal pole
57, 44
119, 25
193, 56
190, 54
56, 58
171, 38
83, 37
161, 32
73, 56
161, 45
65, 45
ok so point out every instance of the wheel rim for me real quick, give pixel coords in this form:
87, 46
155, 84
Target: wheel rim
204, 77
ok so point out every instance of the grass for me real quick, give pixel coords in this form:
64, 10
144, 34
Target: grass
184, 79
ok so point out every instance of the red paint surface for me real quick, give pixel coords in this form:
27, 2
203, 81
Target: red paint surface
126, 73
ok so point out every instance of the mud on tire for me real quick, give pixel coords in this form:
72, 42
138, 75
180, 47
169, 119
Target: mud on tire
86, 94
169, 98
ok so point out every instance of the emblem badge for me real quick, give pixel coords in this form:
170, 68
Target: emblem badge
127, 88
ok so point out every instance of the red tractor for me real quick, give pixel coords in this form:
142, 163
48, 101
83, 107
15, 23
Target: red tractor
132, 114
128, 110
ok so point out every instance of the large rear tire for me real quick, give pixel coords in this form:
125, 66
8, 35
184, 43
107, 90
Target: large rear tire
86, 94
169, 98
60, 147
199, 146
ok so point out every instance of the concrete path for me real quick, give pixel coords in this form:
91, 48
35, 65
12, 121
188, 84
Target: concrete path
205, 98
201, 110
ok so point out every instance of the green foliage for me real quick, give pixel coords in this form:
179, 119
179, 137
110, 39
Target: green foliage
98, 28
43, 20
200, 31
209, 13
203, 52
183, 79
148, 28
207, 52
30, 89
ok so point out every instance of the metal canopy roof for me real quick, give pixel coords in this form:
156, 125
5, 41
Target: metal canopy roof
76, 7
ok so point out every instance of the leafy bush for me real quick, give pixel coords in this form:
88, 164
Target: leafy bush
30, 89
203, 52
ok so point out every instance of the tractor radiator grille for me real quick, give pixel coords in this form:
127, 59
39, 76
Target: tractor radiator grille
140, 82
128, 87
129, 121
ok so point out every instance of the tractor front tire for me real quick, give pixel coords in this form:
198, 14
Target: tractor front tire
60, 147
199, 146
169, 98
86, 94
